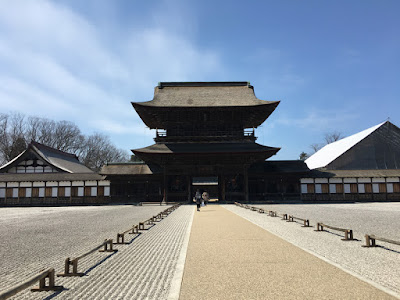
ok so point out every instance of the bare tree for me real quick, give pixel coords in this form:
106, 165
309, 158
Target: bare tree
32, 128
316, 147
16, 132
4, 139
329, 138
67, 136
333, 137
98, 150
12, 140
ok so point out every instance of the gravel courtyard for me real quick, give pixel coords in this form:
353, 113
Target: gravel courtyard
379, 265
38, 238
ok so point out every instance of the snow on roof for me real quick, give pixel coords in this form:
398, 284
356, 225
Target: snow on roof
330, 152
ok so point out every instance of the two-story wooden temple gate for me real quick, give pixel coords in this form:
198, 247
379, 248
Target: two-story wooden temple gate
203, 129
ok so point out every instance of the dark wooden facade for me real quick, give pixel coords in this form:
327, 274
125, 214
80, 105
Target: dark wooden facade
204, 129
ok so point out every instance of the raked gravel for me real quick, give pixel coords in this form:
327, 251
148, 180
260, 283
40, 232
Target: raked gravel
380, 265
38, 238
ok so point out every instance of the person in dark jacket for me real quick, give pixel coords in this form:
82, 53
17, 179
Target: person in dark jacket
197, 198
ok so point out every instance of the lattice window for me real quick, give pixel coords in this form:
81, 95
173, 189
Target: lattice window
339, 188
325, 188
49, 192
88, 191
22, 192
100, 191
74, 191
61, 191
368, 188
35, 192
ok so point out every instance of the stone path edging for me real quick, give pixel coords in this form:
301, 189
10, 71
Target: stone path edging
180, 265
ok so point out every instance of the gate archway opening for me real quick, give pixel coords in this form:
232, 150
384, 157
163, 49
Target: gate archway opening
208, 184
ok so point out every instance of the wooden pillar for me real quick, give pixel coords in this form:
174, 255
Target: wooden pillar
165, 193
146, 190
19, 186
386, 192
221, 182
189, 188
246, 184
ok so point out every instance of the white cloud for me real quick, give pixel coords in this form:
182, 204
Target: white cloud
56, 63
319, 120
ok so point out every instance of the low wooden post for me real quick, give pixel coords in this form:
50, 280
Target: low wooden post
108, 246
369, 242
348, 234
134, 230
42, 283
120, 238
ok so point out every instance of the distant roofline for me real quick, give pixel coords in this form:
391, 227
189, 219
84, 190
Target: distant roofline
39, 145
332, 151
200, 84
125, 163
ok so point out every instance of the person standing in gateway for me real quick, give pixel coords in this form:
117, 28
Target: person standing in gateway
205, 197
197, 198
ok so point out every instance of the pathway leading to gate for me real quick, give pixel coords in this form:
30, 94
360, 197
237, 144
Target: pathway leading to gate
229, 257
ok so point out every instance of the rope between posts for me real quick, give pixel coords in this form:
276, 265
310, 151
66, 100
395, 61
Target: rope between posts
40, 277
370, 240
93, 250
348, 232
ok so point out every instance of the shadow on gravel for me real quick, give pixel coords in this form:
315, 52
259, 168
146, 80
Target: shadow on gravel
301, 223
99, 263
337, 234
55, 294
131, 241
388, 249
147, 228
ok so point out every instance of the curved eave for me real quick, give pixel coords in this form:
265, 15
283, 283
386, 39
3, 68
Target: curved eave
205, 148
155, 116
16, 160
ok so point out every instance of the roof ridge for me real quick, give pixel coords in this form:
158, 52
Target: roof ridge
203, 83
39, 145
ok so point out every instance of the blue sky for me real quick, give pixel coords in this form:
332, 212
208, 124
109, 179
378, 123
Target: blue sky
335, 65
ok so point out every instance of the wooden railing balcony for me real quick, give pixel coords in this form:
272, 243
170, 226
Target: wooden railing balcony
204, 136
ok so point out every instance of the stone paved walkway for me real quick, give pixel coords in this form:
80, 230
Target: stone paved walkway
143, 269
231, 258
